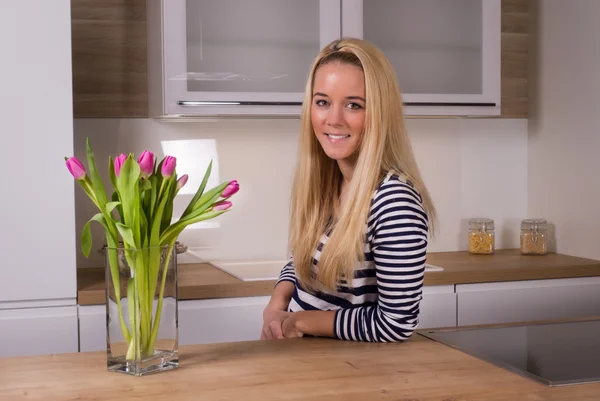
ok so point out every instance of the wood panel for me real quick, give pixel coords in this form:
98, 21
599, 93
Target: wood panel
305, 369
515, 52
109, 58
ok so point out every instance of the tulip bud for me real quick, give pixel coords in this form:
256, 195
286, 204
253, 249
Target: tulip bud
223, 205
76, 168
146, 162
119, 163
231, 189
168, 166
182, 181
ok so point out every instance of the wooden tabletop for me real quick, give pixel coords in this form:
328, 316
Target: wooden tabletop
304, 369
201, 281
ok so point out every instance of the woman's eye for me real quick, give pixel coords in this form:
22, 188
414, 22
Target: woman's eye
321, 102
355, 106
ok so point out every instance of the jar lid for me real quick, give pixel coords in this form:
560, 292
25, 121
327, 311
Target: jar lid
481, 223
531, 224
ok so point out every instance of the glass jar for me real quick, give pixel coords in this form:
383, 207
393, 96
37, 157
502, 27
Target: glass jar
481, 236
534, 237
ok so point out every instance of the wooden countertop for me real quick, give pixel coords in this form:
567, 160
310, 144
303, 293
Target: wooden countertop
303, 369
202, 281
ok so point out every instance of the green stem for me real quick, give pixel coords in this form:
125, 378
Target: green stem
113, 261
156, 325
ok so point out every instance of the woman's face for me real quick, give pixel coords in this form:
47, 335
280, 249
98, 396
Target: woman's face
338, 109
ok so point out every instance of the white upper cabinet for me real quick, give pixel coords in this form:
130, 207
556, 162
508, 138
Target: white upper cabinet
240, 57
234, 57
446, 53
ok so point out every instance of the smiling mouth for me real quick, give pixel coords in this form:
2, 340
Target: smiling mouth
338, 136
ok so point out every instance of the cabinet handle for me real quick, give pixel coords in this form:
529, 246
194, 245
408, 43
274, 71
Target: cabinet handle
192, 103
492, 104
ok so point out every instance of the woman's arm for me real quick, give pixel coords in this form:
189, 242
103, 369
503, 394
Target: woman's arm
276, 310
398, 233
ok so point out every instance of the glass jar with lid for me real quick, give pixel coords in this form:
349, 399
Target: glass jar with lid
534, 237
481, 236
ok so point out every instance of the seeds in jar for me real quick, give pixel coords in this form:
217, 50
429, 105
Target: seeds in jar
481, 243
533, 243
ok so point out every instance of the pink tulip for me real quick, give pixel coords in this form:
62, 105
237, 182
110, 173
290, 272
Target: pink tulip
231, 189
168, 166
76, 168
182, 181
119, 163
146, 162
224, 205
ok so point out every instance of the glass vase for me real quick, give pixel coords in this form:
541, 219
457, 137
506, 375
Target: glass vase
141, 309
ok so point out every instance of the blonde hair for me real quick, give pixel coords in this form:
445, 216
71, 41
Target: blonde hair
385, 147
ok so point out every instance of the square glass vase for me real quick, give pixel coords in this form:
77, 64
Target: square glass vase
142, 330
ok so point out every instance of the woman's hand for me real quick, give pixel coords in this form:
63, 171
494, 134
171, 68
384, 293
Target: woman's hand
272, 323
289, 326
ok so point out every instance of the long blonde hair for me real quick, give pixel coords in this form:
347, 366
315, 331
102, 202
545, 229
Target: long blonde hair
317, 181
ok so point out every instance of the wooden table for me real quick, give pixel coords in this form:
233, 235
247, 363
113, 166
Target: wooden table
303, 369
202, 280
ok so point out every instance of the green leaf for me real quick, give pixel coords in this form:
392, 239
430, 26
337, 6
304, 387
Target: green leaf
126, 233
157, 218
199, 192
127, 183
86, 239
167, 215
146, 185
97, 185
173, 232
110, 206
86, 234
115, 198
111, 172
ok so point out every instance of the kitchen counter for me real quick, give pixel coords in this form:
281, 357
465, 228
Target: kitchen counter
202, 280
303, 369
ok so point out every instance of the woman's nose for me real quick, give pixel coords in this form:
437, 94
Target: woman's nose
335, 117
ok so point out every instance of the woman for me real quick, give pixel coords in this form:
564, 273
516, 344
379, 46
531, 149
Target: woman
359, 208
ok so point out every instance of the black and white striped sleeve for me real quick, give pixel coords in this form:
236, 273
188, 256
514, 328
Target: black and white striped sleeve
288, 273
398, 235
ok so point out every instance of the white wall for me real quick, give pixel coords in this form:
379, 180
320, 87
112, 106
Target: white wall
564, 127
37, 241
472, 167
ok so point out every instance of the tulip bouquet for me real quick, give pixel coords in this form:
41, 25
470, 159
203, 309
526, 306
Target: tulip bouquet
138, 219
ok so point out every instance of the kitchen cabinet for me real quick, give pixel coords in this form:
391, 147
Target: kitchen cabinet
231, 57
234, 57
518, 301
37, 207
438, 307
36, 331
446, 53
205, 321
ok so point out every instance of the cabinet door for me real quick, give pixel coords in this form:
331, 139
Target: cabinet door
92, 328
438, 307
522, 301
38, 331
37, 206
221, 320
229, 56
446, 53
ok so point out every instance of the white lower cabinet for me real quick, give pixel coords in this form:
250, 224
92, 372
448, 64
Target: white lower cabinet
221, 320
92, 328
438, 307
521, 301
38, 331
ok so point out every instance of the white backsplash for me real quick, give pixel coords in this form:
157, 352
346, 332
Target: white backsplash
473, 167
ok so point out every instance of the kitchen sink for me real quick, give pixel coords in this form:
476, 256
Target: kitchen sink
258, 270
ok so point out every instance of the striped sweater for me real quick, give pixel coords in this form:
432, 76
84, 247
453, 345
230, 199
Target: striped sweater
383, 305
